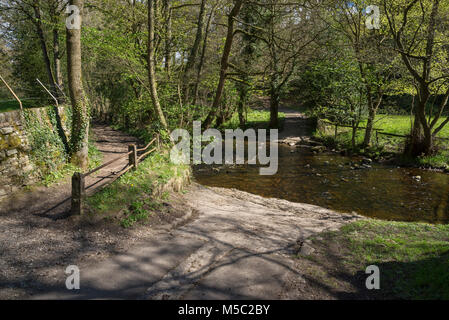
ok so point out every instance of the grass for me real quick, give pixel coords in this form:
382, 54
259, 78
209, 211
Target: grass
256, 119
401, 125
413, 258
11, 105
395, 124
132, 194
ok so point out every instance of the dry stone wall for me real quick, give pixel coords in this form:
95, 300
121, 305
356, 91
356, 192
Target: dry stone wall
16, 167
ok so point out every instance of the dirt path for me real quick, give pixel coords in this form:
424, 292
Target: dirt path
54, 202
241, 246
296, 125
37, 236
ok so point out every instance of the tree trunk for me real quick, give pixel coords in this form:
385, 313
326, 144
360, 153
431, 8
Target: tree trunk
80, 111
203, 54
224, 64
275, 100
372, 111
57, 60
241, 105
40, 33
421, 140
247, 57
194, 51
168, 35
151, 66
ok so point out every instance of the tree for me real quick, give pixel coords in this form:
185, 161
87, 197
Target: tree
79, 140
224, 63
247, 56
151, 65
373, 60
286, 30
420, 33
191, 60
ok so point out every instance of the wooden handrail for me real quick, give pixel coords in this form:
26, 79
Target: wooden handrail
78, 179
106, 164
145, 154
149, 144
348, 126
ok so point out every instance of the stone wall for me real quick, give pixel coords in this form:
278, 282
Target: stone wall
16, 167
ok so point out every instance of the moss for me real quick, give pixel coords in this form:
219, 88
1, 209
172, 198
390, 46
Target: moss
3, 143
14, 141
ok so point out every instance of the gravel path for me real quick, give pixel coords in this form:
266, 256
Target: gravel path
38, 238
241, 246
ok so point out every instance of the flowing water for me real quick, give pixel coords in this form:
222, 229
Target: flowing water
330, 181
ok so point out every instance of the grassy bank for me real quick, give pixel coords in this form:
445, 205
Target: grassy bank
386, 145
138, 195
413, 258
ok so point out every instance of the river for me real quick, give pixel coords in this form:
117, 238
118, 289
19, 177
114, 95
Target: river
332, 181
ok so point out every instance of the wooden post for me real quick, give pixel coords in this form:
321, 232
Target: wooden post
133, 162
158, 140
78, 193
336, 131
12, 92
48, 91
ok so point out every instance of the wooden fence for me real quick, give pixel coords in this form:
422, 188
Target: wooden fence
78, 179
378, 131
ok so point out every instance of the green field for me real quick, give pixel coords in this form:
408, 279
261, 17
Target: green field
255, 119
401, 125
11, 105
395, 124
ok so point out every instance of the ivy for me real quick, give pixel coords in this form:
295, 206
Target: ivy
47, 149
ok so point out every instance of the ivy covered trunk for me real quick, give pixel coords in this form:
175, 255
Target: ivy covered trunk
79, 142
151, 65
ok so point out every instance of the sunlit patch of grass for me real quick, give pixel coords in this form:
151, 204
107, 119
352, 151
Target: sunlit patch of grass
132, 194
255, 119
398, 124
413, 258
